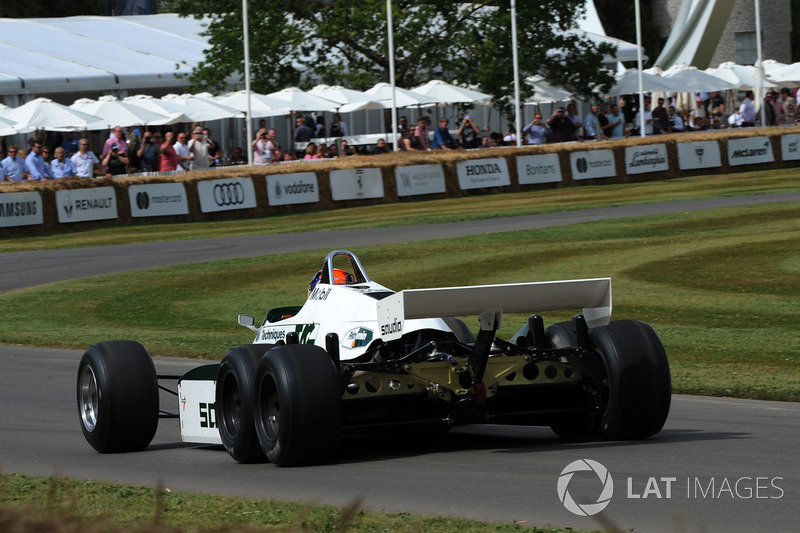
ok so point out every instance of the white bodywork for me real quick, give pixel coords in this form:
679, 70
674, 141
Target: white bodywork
363, 312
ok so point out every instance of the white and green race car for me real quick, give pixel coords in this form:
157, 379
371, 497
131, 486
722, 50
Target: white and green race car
357, 355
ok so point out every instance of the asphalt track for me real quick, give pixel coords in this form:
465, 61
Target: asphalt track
718, 465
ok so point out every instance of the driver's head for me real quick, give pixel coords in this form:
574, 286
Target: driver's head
340, 277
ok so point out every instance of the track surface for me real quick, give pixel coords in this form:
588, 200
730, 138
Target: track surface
733, 461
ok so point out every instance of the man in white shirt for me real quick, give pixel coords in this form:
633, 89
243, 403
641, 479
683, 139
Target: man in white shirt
85, 162
747, 111
198, 147
184, 156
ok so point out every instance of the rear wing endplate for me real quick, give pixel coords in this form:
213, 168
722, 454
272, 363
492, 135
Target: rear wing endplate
593, 296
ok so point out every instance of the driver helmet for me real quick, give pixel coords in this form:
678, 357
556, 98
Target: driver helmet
340, 277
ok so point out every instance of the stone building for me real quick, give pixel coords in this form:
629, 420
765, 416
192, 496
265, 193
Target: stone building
737, 41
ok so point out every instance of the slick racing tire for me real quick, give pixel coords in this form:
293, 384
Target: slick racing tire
118, 396
639, 386
298, 405
562, 335
234, 402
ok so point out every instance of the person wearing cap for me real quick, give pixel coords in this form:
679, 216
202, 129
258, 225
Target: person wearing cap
118, 138
115, 162
198, 147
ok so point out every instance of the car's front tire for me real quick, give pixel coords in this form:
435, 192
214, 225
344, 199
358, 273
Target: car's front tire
117, 396
298, 405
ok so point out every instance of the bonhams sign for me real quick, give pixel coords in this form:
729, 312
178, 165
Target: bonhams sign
542, 168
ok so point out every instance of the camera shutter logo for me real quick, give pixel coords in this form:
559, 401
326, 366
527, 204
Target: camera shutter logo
585, 465
229, 194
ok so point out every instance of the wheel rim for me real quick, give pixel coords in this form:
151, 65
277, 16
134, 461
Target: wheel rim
89, 398
272, 409
231, 404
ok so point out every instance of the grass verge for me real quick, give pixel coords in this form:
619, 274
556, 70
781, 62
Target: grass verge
32, 505
428, 211
720, 288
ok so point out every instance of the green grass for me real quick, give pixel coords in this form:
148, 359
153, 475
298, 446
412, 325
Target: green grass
720, 287
428, 211
32, 505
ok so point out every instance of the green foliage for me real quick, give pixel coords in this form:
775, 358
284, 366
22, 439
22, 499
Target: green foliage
345, 42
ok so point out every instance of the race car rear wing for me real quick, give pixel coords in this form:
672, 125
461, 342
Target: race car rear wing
489, 302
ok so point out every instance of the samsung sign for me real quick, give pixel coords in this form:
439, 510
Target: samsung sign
699, 154
226, 194
356, 184
647, 158
297, 188
749, 151
158, 199
480, 173
592, 164
543, 168
419, 179
81, 205
20, 209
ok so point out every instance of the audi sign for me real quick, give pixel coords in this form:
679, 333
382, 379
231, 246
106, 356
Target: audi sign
226, 194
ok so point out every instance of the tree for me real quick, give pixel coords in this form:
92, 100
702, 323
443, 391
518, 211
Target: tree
345, 42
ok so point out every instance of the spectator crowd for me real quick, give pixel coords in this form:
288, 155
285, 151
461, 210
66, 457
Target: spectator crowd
51, 155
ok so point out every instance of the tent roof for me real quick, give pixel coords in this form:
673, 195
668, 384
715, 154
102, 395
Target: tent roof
68, 54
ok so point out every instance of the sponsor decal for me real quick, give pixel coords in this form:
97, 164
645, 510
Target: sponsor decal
158, 199
226, 194
543, 168
650, 158
790, 147
297, 188
698, 154
395, 326
356, 338
592, 164
306, 333
481, 173
419, 179
749, 151
356, 184
79, 205
20, 209
320, 293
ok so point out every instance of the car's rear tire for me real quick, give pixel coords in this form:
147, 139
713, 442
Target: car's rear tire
117, 396
298, 405
235, 396
639, 386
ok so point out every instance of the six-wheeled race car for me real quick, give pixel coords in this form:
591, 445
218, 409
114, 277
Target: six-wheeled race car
357, 356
